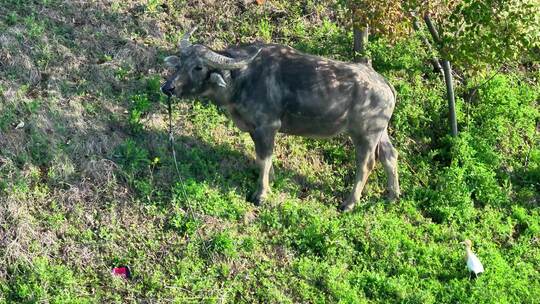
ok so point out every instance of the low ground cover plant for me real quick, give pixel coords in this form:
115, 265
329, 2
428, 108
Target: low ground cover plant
88, 183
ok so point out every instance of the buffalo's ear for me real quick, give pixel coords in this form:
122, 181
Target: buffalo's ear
218, 79
172, 61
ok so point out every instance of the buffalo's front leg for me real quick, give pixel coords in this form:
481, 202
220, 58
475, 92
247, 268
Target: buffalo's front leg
263, 137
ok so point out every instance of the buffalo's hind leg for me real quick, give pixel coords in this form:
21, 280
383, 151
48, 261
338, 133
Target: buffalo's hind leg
388, 156
365, 162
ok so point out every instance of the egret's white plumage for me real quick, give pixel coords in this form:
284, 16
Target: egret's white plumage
473, 263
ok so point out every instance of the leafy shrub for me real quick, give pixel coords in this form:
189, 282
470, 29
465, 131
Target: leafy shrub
223, 243
200, 197
43, 280
184, 224
140, 104
133, 159
504, 121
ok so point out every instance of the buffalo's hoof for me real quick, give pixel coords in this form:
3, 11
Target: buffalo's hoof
346, 207
256, 199
392, 196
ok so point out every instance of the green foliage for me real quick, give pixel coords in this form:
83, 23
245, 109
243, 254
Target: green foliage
43, 280
308, 232
474, 34
200, 197
329, 39
408, 56
140, 104
223, 243
133, 158
185, 224
153, 6
383, 17
8, 116
505, 106
491, 32
265, 30
39, 150
90, 183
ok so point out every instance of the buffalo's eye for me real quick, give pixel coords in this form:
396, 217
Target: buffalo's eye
198, 68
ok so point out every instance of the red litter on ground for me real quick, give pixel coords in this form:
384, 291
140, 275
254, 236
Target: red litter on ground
122, 272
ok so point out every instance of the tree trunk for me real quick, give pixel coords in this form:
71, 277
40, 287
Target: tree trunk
447, 70
434, 60
360, 44
432, 29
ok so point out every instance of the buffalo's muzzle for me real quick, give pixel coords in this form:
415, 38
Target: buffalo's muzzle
167, 89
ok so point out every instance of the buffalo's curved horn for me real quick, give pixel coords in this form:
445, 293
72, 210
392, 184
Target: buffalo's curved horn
184, 43
218, 61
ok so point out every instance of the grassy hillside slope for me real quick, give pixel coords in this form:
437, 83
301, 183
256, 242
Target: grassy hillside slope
87, 181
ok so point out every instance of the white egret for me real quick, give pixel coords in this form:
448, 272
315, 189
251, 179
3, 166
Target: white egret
473, 263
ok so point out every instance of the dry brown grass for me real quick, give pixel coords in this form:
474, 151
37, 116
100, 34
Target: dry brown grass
70, 84
97, 39
74, 92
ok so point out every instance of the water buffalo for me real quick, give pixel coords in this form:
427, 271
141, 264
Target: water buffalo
270, 88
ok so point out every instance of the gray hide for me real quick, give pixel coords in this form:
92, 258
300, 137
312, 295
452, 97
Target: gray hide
270, 88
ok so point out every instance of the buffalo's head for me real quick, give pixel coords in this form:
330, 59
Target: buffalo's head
198, 70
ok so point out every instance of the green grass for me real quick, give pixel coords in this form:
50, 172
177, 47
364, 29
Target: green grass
89, 182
